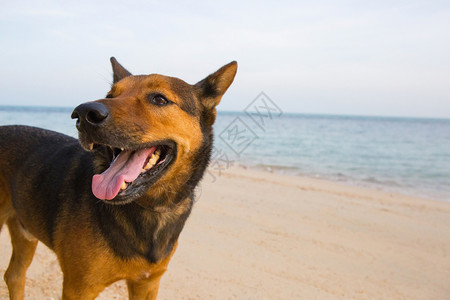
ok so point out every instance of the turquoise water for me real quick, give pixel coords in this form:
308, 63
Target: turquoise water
405, 155
411, 156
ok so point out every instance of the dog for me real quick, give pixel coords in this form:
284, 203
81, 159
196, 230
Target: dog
111, 204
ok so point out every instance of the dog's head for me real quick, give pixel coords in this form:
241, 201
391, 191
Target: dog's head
151, 135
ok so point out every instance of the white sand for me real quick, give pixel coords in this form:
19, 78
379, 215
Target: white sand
255, 235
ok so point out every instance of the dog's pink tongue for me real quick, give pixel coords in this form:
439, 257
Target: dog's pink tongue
126, 167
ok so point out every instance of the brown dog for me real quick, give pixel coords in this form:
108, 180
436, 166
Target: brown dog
112, 208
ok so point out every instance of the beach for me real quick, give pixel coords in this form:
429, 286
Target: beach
259, 235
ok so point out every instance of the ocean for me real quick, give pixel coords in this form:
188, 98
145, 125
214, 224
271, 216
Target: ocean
405, 155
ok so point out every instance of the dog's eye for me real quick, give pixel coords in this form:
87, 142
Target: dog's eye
109, 96
159, 100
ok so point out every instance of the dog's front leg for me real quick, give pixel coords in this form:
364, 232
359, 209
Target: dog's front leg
22, 255
74, 289
144, 289
146, 286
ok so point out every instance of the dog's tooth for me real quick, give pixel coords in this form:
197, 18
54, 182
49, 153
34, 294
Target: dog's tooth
122, 149
123, 186
154, 157
152, 161
149, 165
91, 146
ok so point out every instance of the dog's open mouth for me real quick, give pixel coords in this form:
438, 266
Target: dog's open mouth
131, 172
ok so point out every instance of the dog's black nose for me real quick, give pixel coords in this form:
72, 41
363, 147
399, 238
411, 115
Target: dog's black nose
94, 113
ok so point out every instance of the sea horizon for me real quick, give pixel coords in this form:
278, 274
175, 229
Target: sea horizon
219, 111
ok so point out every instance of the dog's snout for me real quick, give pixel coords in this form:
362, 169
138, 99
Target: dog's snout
92, 113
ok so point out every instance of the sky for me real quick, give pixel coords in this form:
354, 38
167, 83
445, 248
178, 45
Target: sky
384, 58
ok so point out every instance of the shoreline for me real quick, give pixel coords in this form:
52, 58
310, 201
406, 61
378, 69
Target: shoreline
260, 235
306, 182
346, 181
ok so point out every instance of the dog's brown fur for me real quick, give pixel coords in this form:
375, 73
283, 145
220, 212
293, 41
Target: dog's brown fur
45, 185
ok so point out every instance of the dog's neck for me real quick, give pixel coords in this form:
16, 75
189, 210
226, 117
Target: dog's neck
133, 231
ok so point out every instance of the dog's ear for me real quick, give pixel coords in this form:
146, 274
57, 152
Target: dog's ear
211, 89
119, 72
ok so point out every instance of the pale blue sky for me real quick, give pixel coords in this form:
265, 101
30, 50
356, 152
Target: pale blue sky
333, 57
